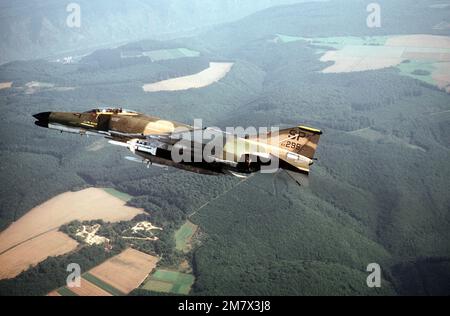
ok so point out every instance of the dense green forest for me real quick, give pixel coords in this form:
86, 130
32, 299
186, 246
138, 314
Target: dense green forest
378, 193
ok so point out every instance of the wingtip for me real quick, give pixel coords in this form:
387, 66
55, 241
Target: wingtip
311, 129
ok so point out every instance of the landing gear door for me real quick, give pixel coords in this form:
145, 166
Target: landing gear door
103, 122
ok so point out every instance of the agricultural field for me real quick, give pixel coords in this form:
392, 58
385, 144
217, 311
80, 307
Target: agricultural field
422, 57
84, 205
64, 292
335, 42
126, 271
169, 282
420, 70
102, 285
121, 195
157, 55
214, 73
117, 276
183, 236
33, 251
35, 237
89, 289
5, 85
168, 54
361, 58
86, 289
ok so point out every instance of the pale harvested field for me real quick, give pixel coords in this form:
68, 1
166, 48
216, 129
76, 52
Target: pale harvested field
379, 63
427, 56
214, 73
419, 40
125, 271
88, 204
397, 49
53, 293
89, 289
350, 64
30, 253
5, 85
341, 64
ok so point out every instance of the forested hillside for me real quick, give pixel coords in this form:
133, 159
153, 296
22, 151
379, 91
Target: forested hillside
378, 193
37, 28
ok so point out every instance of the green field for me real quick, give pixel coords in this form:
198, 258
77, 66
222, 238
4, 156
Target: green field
104, 286
184, 235
374, 46
351, 40
123, 196
168, 54
408, 69
169, 282
337, 42
158, 286
65, 292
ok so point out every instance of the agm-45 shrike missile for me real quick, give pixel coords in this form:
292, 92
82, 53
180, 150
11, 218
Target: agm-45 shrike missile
165, 143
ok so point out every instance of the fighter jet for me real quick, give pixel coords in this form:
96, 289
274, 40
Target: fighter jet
165, 143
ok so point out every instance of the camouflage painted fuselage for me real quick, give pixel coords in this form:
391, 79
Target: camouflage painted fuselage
156, 140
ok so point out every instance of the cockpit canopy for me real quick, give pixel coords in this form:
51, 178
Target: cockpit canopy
112, 111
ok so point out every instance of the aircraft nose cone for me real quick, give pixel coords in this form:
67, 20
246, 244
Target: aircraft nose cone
42, 119
43, 116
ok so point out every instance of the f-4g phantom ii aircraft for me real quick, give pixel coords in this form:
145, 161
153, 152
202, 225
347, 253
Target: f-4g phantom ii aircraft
165, 143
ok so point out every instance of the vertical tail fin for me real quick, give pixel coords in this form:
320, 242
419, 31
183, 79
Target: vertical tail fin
297, 146
300, 140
